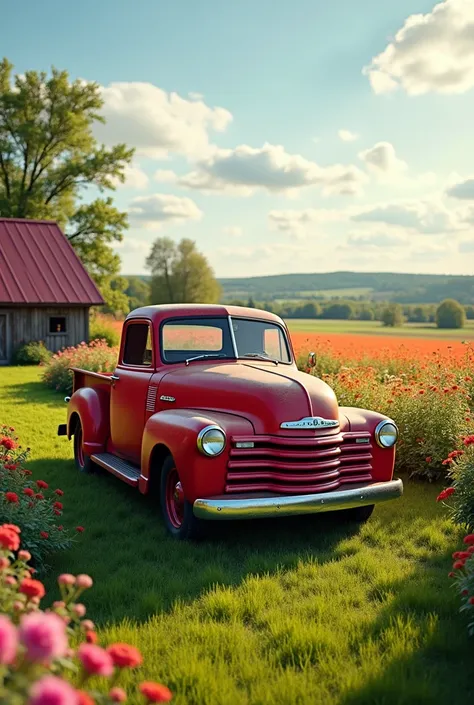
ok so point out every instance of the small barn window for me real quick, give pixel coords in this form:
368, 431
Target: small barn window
57, 324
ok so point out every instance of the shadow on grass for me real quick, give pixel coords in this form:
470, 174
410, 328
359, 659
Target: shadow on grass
33, 393
426, 650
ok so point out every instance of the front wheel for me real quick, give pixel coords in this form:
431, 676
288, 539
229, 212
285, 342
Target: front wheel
177, 511
83, 462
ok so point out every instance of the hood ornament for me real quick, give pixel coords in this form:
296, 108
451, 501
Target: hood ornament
311, 422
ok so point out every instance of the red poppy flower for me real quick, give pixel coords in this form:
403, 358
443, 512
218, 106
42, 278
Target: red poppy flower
38, 495
11, 497
469, 440
458, 565
8, 443
9, 539
155, 692
57, 505
469, 539
32, 588
44, 534
79, 529
91, 637
125, 656
59, 493
84, 698
471, 600
42, 484
29, 492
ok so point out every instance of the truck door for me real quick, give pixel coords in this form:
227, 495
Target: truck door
129, 389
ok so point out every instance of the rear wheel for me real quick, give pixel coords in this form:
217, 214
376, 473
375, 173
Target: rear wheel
360, 514
177, 511
83, 462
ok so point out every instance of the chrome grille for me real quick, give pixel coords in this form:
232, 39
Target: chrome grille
151, 397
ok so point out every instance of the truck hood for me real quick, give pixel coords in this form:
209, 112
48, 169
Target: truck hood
263, 393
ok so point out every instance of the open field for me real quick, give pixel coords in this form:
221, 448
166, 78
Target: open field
409, 330
292, 612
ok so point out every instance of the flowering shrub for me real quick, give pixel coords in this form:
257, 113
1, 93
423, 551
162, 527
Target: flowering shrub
96, 357
463, 578
430, 399
49, 657
32, 505
461, 494
101, 329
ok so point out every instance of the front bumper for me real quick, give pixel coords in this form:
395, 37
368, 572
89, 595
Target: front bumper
266, 507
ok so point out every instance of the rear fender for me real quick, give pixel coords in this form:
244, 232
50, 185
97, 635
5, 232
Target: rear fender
93, 408
383, 458
177, 430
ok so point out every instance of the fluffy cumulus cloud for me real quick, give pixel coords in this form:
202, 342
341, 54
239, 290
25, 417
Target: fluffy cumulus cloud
382, 159
156, 122
432, 52
463, 190
134, 178
422, 216
245, 169
347, 136
165, 176
377, 240
152, 212
298, 222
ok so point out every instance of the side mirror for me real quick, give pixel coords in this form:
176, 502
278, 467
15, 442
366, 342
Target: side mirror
312, 359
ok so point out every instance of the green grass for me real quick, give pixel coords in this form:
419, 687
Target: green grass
412, 330
293, 612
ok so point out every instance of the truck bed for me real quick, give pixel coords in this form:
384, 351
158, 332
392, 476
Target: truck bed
86, 378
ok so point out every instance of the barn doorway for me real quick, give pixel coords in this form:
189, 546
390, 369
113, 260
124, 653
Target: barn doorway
3, 338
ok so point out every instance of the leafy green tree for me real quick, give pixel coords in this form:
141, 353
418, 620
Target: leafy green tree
469, 312
450, 314
138, 292
49, 158
180, 274
251, 303
366, 314
340, 311
393, 316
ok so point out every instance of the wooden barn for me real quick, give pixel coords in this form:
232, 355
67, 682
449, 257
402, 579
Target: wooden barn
45, 292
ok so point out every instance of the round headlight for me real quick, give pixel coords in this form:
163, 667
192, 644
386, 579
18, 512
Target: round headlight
386, 434
211, 440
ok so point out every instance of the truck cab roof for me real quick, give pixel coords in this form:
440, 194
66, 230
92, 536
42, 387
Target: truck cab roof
161, 312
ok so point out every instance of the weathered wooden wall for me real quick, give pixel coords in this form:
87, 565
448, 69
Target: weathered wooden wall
24, 324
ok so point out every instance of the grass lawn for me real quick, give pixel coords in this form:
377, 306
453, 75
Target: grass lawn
293, 612
415, 330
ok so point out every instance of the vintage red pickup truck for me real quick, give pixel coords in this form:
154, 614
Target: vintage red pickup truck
207, 407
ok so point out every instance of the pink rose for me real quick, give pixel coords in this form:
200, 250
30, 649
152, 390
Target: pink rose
51, 690
8, 641
96, 661
44, 636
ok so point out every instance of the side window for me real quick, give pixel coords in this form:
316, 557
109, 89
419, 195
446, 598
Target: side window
138, 349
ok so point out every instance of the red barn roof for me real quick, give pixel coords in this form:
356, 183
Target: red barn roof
38, 265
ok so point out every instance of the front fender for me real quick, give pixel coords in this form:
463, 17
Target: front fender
93, 408
383, 459
177, 430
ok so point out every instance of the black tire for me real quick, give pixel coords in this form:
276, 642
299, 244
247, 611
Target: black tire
83, 461
181, 524
360, 514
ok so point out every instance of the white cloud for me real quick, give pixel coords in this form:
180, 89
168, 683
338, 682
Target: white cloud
430, 53
156, 122
232, 231
377, 240
463, 190
134, 178
132, 245
152, 212
422, 216
382, 159
347, 136
165, 176
245, 169
297, 222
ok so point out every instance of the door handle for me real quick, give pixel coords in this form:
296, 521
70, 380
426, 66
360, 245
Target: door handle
115, 377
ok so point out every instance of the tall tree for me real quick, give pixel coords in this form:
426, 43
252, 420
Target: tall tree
48, 159
180, 274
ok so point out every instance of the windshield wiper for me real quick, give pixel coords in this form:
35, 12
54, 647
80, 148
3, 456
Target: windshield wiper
203, 357
258, 356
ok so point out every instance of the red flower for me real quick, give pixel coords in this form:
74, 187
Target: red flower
57, 505
458, 565
8, 443
469, 440
29, 492
448, 461
471, 600
155, 692
42, 484
84, 698
464, 554
12, 527
27, 472
80, 529
32, 588
59, 493
60, 527
469, 539
125, 656
44, 535
451, 575
11, 497
464, 592
57, 512
456, 555
428, 459
445, 494
39, 496
91, 637
11, 466
9, 539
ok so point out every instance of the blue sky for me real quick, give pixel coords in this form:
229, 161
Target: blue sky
236, 111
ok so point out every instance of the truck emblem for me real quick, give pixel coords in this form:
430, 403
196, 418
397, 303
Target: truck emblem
165, 398
311, 422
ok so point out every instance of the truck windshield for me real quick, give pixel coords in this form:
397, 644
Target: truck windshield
208, 338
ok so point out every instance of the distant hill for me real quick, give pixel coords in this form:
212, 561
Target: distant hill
375, 286
367, 286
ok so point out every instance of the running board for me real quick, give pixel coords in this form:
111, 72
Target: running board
121, 468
